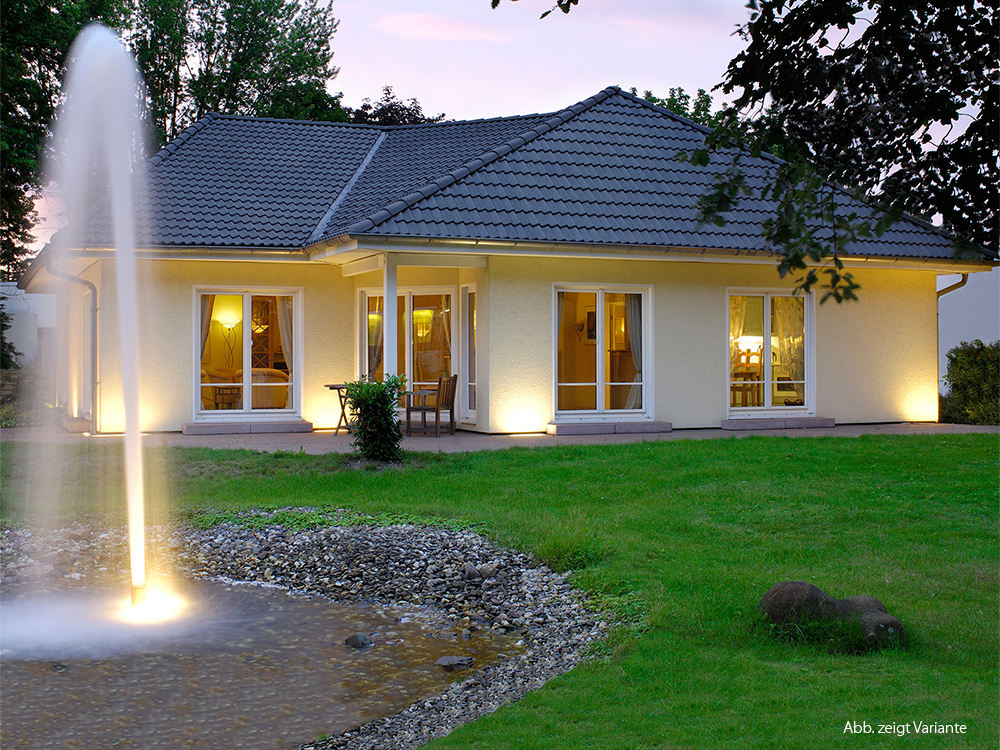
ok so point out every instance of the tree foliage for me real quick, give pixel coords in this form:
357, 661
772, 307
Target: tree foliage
9, 356
35, 36
898, 102
678, 101
390, 110
268, 58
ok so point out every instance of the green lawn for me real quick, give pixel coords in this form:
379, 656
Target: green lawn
687, 536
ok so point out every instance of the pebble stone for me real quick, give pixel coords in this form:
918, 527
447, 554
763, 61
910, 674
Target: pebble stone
402, 565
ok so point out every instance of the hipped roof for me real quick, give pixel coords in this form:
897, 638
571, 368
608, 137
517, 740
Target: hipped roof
601, 172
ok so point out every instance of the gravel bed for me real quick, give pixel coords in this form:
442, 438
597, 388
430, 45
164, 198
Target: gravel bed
461, 575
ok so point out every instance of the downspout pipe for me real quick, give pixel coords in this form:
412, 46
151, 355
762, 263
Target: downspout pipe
957, 285
93, 334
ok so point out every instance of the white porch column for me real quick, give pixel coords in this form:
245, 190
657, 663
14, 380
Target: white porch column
390, 313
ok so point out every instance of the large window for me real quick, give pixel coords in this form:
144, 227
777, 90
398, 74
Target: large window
600, 354
423, 335
768, 352
246, 342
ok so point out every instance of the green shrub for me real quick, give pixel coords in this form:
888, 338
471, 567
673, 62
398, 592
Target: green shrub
378, 431
10, 416
973, 382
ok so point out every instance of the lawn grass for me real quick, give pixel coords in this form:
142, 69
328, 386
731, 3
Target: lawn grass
683, 538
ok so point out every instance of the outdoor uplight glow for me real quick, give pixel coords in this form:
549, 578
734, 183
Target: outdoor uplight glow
159, 606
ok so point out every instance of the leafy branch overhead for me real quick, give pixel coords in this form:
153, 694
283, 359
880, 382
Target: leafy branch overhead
876, 109
897, 102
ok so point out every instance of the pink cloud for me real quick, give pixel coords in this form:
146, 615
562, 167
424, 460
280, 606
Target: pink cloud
437, 26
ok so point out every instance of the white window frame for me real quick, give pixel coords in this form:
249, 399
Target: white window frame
407, 293
466, 378
295, 389
809, 326
600, 414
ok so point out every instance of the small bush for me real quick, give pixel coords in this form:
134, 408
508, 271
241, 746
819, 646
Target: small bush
973, 382
378, 431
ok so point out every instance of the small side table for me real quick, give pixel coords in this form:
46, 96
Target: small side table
341, 389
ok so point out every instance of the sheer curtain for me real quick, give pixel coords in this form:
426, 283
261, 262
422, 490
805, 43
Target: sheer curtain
207, 306
789, 324
375, 341
737, 315
633, 323
285, 328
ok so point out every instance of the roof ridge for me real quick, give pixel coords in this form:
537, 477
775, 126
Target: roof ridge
478, 120
460, 173
177, 142
317, 233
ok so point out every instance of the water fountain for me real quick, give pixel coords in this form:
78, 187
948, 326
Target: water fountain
100, 123
75, 652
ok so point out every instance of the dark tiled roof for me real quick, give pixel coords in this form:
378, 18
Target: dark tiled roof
603, 171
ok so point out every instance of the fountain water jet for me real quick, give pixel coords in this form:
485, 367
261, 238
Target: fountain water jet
100, 126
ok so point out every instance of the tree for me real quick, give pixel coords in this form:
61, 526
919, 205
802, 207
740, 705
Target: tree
564, 5
678, 101
390, 110
870, 95
896, 101
269, 58
8, 354
35, 36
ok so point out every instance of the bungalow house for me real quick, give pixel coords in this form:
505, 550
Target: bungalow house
553, 262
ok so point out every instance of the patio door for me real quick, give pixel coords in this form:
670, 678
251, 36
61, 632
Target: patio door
246, 346
769, 344
424, 324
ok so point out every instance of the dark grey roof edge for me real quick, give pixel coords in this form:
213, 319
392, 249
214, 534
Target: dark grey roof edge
479, 162
383, 128
187, 134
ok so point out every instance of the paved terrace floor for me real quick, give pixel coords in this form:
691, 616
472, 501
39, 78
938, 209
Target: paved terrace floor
327, 442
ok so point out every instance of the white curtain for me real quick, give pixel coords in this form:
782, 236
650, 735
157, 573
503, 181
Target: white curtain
285, 328
737, 315
788, 321
375, 349
207, 306
633, 324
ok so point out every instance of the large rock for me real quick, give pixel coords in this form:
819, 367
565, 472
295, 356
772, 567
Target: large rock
358, 640
799, 603
455, 663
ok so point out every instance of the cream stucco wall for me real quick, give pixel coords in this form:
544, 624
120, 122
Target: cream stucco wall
167, 335
875, 359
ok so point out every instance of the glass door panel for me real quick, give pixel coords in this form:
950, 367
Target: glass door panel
788, 359
766, 352
374, 365
246, 342
746, 351
431, 339
469, 331
221, 351
622, 351
576, 378
271, 327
